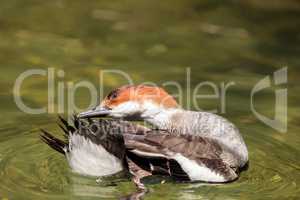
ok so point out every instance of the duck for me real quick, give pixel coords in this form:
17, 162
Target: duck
185, 145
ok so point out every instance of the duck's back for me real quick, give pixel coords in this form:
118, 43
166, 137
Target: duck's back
212, 126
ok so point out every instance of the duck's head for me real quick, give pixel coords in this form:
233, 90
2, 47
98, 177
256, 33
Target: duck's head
133, 102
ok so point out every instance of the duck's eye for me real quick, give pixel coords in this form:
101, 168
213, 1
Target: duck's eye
112, 95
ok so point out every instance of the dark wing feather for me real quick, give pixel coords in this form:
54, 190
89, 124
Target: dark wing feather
204, 151
108, 133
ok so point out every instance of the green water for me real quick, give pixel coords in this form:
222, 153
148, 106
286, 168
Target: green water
220, 41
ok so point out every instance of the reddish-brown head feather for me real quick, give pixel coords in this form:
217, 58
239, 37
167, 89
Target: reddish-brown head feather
140, 93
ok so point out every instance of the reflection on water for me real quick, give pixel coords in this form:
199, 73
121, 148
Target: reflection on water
87, 188
152, 41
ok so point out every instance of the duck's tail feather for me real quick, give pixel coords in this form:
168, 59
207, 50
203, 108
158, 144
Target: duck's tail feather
56, 143
67, 127
53, 142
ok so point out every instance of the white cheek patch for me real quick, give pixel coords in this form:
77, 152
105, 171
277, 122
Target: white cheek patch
157, 114
126, 109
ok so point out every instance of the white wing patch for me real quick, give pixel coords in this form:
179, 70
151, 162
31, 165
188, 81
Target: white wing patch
197, 172
87, 158
143, 153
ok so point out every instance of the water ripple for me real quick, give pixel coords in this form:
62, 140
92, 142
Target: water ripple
30, 168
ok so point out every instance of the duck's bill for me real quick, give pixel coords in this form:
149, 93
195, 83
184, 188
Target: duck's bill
97, 112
